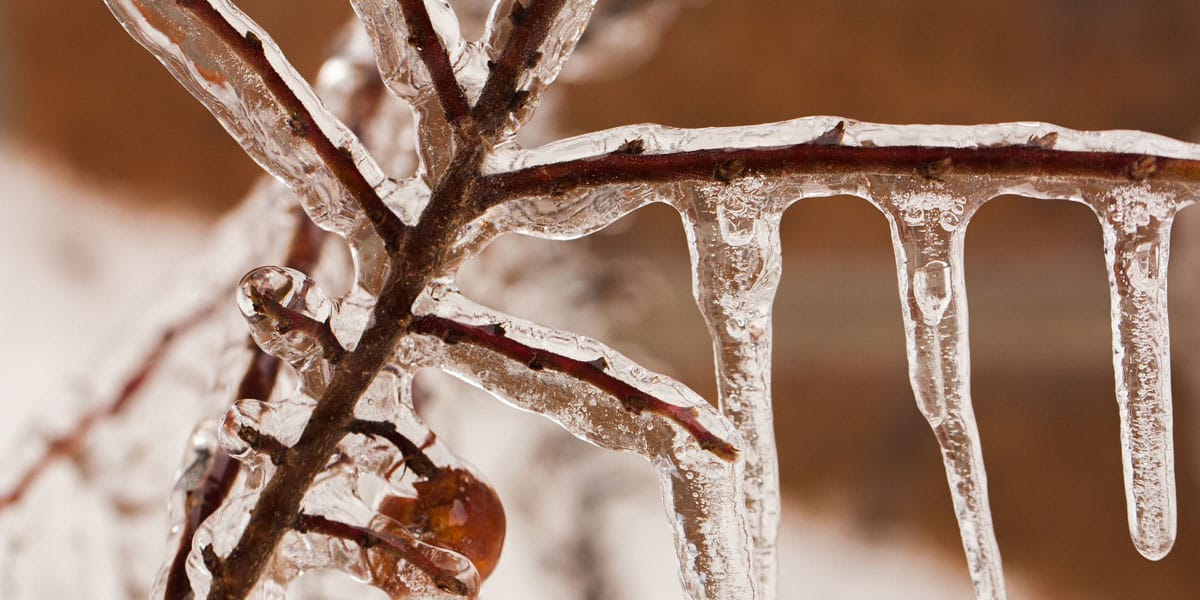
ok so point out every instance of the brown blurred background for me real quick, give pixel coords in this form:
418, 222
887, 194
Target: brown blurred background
75, 89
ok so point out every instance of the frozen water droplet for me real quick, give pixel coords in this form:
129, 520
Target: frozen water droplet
932, 290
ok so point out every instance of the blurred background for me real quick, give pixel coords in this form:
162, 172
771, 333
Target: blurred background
75, 91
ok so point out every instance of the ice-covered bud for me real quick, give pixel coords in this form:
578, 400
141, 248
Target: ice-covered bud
288, 315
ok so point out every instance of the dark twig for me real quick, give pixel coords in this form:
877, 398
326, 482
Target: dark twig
368, 538
250, 49
500, 98
414, 456
437, 62
592, 372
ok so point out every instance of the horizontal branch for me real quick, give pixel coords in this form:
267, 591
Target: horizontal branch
826, 154
592, 372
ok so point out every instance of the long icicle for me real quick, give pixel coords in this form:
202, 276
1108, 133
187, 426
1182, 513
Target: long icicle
733, 233
928, 230
1137, 234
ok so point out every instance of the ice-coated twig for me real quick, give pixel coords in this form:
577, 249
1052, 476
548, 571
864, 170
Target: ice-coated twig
799, 147
369, 538
586, 387
593, 372
527, 42
230, 64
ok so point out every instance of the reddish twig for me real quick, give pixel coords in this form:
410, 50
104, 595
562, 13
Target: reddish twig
250, 49
500, 98
437, 60
593, 372
820, 158
368, 538
414, 456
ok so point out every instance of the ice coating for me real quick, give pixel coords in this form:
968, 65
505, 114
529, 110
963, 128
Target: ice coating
392, 468
928, 222
733, 233
1136, 221
537, 70
401, 49
227, 62
701, 490
219, 66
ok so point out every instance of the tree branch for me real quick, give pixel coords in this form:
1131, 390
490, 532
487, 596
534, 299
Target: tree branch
368, 538
413, 455
818, 157
301, 121
437, 60
500, 98
593, 372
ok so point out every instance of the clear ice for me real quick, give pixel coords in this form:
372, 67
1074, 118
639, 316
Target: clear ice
725, 511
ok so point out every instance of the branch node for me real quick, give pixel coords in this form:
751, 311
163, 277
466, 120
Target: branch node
1142, 168
729, 170
937, 170
632, 147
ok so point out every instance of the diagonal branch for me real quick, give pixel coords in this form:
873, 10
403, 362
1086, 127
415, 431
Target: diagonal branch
239, 74
436, 58
592, 372
500, 98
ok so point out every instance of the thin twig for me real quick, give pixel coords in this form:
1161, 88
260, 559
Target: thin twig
67, 443
437, 60
250, 49
414, 457
368, 538
500, 98
592, 372
818, 158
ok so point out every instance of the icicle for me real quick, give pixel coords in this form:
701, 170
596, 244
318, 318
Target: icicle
1136, 221
702, 487
733, 234
928, 221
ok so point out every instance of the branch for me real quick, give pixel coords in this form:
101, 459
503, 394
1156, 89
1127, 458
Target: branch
593, 372
368, 538
437, 60
413, 455
67, 443
500, 98
829, 155
242, 78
